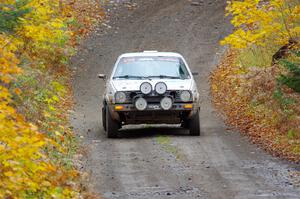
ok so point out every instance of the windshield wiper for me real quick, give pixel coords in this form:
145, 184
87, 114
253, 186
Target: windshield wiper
128, 77
164, 77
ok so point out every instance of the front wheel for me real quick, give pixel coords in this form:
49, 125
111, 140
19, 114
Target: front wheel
112, 126
104, 117
194, 124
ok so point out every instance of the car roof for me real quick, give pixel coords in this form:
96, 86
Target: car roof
151, 54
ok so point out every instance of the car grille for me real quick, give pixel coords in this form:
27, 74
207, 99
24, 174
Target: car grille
153, 97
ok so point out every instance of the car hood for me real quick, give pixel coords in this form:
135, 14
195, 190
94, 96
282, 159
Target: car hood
134, 85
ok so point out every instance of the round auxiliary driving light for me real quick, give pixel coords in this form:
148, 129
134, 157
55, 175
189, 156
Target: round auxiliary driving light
161, 88
166, 103
185, 96
146, 88
120, 97
140, 104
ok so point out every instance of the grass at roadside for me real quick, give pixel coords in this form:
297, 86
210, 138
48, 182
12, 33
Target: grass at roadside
46, 100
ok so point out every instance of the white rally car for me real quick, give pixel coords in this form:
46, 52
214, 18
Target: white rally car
150, 87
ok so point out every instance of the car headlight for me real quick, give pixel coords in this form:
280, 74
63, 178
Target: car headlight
146, 88
120, 97
185, 96
141, 104
166, 103
160, 88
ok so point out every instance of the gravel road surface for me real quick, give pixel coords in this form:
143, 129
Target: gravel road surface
163, 161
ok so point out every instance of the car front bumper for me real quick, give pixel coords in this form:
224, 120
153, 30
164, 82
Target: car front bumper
153, 107
153, 113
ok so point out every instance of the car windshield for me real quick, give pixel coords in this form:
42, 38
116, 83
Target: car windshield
151, 67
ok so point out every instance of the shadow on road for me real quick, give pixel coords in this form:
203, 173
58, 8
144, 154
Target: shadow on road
151, 131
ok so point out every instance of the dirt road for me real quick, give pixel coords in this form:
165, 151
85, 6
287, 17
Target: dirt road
163, 161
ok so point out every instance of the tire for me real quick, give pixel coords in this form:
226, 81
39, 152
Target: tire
184, 124
194, 125
112, 126
104, 117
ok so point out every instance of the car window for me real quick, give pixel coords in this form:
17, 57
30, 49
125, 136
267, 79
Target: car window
154, 67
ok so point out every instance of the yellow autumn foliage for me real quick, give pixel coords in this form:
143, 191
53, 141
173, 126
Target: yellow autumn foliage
260, 23
36, 39
246, 86
25, 170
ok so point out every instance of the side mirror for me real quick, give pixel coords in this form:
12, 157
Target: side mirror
195, 73
102, 76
